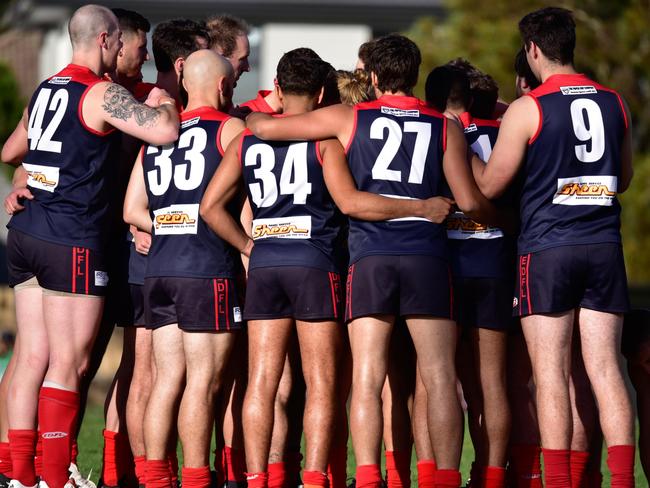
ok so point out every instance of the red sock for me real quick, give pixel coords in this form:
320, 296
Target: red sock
526, 466
369, 476
594, 477
493, 477
398, 469
447, 478
5, 459
579, 460
196, 477
257, 480
235, 461
314, 478
57, 416
277, 475
172, 460
620, 460
557, 467
292, 460
337, 467
23, 447
140, 469
426, 473
110, 473
38, 455
74, 451
157, 474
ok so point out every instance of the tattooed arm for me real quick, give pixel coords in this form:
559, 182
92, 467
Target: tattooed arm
110, 105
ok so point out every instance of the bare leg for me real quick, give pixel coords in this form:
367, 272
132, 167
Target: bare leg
140, 389
520, 392
280, 417
421, 436
4, 392
116, 400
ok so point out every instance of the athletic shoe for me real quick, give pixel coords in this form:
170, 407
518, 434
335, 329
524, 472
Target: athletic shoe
18, 484
69, 484
4, 481
79, 480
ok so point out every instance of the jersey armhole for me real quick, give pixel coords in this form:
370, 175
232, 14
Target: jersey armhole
539, 122
444, 134
81, 116
241, 146
218, 141
353, 134
318, 154
622, 105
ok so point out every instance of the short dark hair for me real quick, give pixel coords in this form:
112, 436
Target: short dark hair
483, 89
300, 52
224, 30
364, 51
522, 68
173, 39
553, 30
131, 21
395, 59
447, 85
303, 76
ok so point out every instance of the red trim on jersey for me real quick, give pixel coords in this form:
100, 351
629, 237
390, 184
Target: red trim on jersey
258, 104
206, 113
487, 122
620, 102
219, 146
318, 154
81, 116
87, 259
465, 119
331, 277
354, 128
74, 270
80, 74
444, 135
530, 309
541, 118
141, 90
247, 132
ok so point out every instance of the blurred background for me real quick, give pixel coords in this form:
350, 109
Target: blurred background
613, 48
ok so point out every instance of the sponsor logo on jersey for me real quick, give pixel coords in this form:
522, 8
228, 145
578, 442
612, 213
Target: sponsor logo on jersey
398, 112
190, 122
60, 80
578, 90
176, 219
42, 177
470, 128
586, 190
298, 227
54, 435
101, 278
461, 227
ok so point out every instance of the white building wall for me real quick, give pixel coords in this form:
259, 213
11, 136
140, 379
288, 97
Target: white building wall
56, 51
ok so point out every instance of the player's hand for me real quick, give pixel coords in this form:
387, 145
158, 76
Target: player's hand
156, 97
13, 202
436, 209
453, 117
142, 241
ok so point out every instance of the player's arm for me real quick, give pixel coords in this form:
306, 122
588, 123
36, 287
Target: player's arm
627, 171
14, 201
16, 146
155, 121
459, 176
370, 206
136, 202
334, 121
220, 191
141, 240
518, 126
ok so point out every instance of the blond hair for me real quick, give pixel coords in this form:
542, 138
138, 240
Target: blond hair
353, 86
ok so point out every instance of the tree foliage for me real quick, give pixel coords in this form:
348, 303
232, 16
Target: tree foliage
613, 47
11, 108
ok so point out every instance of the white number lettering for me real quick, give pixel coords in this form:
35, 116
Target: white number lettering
586, 112
295, 164
482, 147
41, 139
159, 180
266, 156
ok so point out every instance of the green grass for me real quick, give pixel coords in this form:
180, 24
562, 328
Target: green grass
91, 441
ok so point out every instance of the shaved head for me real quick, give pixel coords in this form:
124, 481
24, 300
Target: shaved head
203, 69
88, 22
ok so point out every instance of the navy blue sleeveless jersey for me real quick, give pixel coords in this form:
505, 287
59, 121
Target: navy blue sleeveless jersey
176, 177
66, 165
572, 166
396, 150
478, 250
295, 220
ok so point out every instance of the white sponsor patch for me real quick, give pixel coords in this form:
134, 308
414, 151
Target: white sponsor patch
42, 177
461, 227
60, 80
398, 112
236, 313
578, 90
403, 219
101, 278
176, 219
54, 435
586, 190
470, 128
190, 122
284, 227
515, 302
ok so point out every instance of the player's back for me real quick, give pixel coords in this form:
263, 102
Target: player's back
573, 165
176, 177
66, 164
295, 220
396, 150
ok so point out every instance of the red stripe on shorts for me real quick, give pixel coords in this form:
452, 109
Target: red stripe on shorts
349, 290
530, 309
74, 259
331, 276
225, 282
216, 304
87, 257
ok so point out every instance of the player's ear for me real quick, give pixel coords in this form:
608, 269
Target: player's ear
321, 95
178, 65
101, 40
221, 84
279, 93
373, 79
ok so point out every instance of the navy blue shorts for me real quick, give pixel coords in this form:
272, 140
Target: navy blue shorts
485, 303
567, 277
137, 305
195, 304
57, 267
399, 286
298, 292
118, 309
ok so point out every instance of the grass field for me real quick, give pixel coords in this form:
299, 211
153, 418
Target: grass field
90, 448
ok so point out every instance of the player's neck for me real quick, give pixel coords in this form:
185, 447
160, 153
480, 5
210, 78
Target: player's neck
455, 110
294, 105
273, 101
89, 60
548, 70
169, 82
201, 100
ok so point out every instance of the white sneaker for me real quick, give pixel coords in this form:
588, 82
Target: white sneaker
69, 484
78, 478
18, 484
